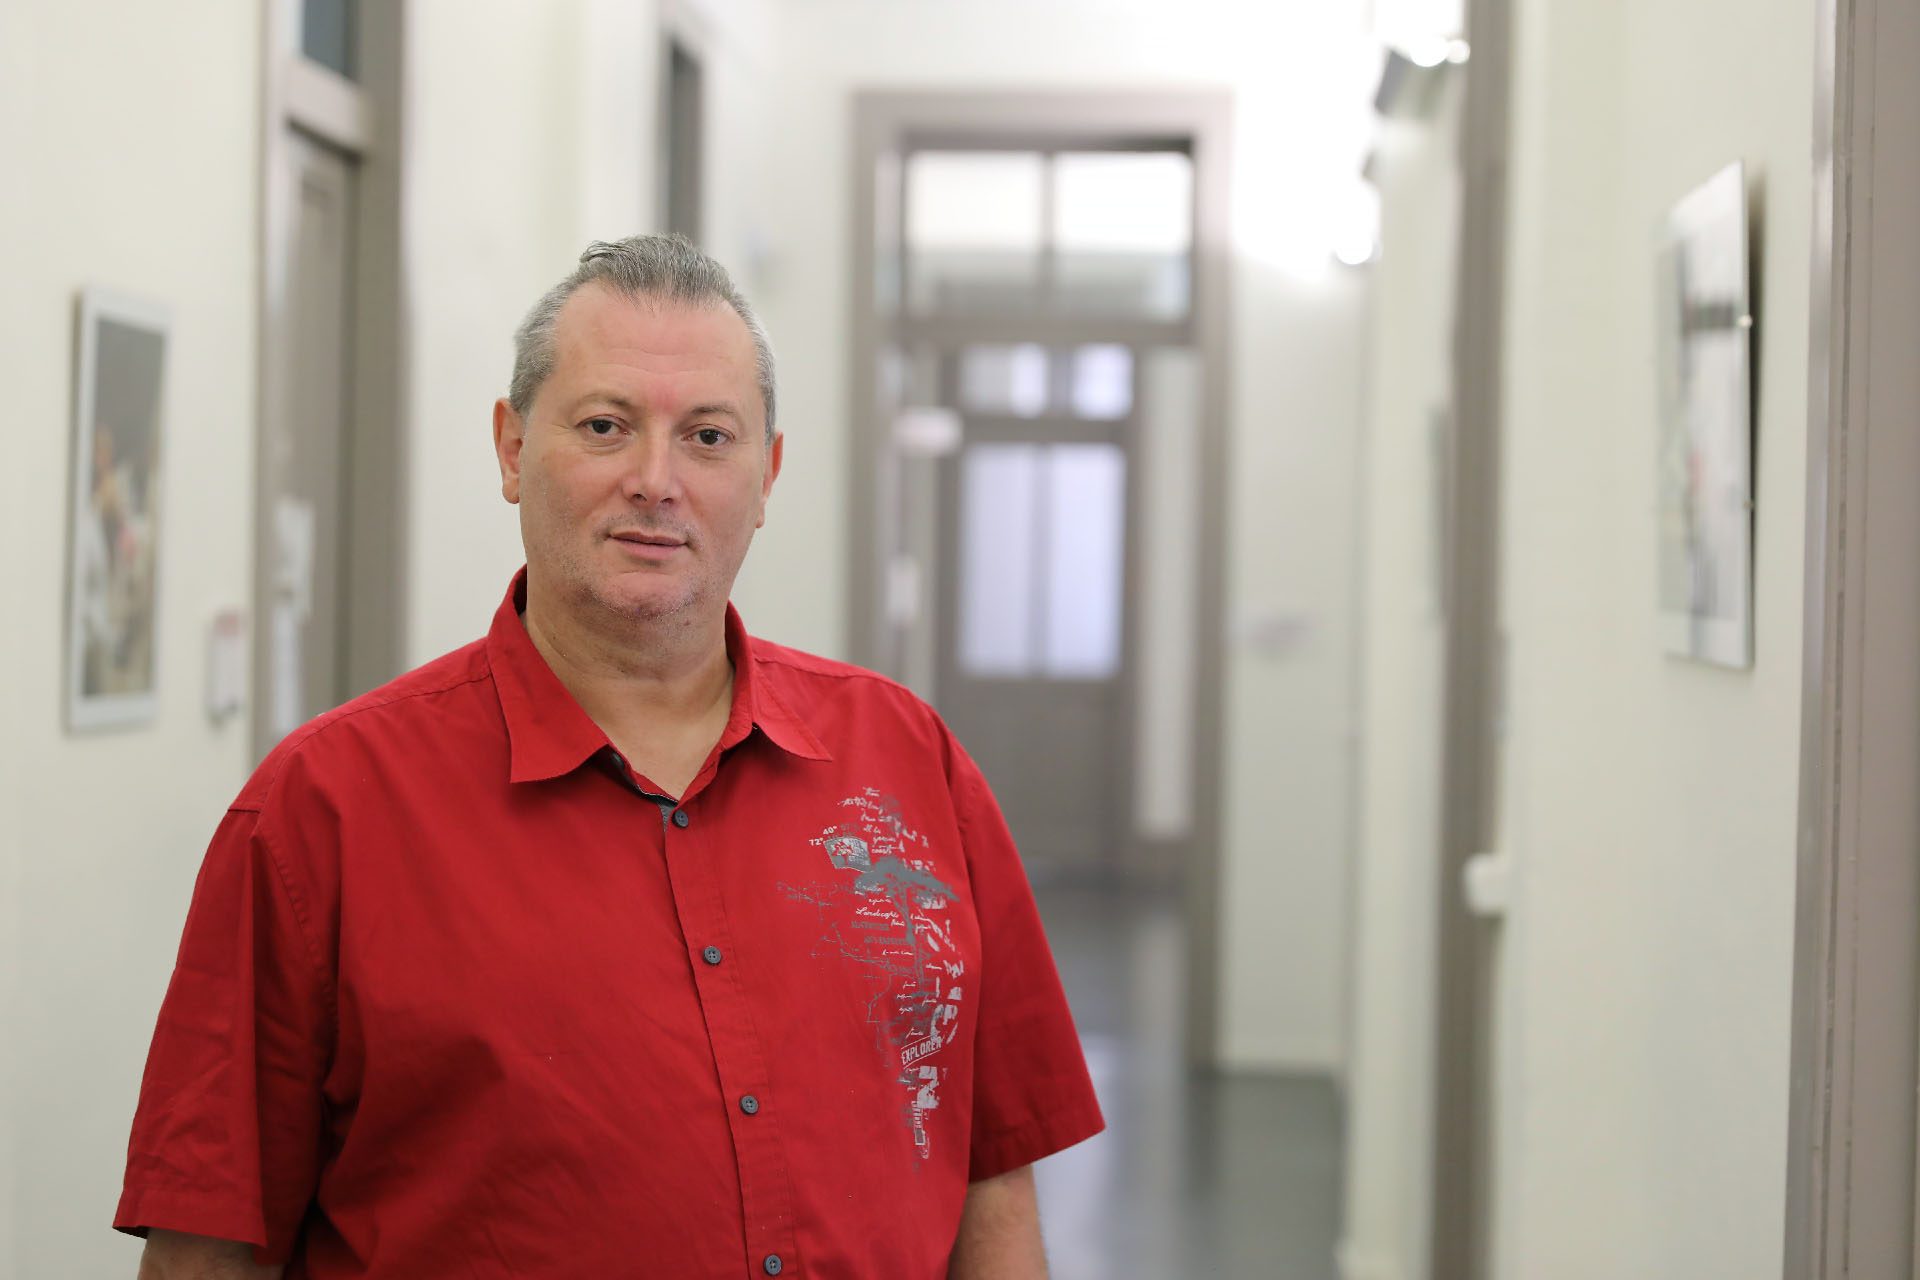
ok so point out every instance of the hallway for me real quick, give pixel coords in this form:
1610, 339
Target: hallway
1197, 1175
1395, 514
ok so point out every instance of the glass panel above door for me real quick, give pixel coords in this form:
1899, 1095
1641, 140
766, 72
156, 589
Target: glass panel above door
975, 229
1123, 232
1001, 380
1102, 387
330, 34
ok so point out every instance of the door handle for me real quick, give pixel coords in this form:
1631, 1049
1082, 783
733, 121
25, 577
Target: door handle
1486, 883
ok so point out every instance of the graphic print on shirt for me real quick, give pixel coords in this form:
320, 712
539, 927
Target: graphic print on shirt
886, 912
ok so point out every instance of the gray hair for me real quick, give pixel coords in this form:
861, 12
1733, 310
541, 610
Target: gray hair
666, 267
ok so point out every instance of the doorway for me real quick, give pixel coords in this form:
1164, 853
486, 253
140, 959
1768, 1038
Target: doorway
1038, 379
330, 553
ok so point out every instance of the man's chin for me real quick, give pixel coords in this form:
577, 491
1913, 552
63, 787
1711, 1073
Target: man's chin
655, 602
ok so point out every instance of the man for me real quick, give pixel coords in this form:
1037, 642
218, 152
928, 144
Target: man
616, 944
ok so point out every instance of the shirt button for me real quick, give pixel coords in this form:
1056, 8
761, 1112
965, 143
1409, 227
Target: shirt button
711, 955
772, 1265
749, 1103
680, 818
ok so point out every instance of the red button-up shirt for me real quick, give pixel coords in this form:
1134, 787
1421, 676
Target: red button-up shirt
461, 995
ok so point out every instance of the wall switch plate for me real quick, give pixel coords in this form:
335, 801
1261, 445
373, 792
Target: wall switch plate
226, 665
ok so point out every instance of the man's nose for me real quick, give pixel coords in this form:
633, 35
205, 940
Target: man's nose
652, 474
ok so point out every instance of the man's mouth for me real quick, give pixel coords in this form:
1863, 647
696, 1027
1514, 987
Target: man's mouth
650, 539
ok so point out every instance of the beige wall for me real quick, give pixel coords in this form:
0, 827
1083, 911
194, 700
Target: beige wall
530, 130
510, 170
130, 160
1296, 71
1650, 803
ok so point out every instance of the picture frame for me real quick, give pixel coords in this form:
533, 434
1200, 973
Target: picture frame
1704, 472
113, 554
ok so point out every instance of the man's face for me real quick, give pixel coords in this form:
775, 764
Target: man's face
642, 467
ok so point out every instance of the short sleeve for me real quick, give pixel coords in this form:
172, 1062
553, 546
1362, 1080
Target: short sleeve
1032, 1095
227, 1137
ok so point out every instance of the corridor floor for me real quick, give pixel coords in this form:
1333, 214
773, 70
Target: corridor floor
1197, 1175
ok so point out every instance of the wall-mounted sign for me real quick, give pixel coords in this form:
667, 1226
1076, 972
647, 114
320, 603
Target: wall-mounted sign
226, 665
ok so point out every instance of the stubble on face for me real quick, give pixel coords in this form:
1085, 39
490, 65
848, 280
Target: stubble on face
578, 566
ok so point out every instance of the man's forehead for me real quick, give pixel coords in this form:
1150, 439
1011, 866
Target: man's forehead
675, 354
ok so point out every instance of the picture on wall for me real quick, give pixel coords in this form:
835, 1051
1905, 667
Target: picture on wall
113, 550
1705, 387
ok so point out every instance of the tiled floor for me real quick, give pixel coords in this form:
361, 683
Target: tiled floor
1236, 1177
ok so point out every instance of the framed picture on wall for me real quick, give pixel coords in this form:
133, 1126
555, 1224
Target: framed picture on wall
1705, 472
113, 545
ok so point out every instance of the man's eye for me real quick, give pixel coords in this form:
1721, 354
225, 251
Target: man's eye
710, 436
602, 426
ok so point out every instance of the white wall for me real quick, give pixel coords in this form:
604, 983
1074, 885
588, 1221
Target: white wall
131, 162
1650, 803
1298, 71
1389, 1094
1644, 973
530, 130
1290, 723
513, 163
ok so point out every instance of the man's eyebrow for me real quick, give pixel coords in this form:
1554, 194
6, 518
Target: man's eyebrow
719, 408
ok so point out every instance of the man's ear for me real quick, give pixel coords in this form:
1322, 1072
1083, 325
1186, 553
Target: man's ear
774, 452
509, 434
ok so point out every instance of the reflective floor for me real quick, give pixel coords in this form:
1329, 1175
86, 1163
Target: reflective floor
1196, 1175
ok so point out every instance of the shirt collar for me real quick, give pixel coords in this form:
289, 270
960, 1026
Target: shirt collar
757, 703
548, 734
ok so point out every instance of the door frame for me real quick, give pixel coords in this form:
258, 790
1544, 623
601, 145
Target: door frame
362, 120
1851, 1178
882, 119
1459, 1175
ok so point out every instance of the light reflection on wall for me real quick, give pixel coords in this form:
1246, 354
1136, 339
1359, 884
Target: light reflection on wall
1293, 204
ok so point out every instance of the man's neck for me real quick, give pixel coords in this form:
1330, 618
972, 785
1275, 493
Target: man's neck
660, 689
